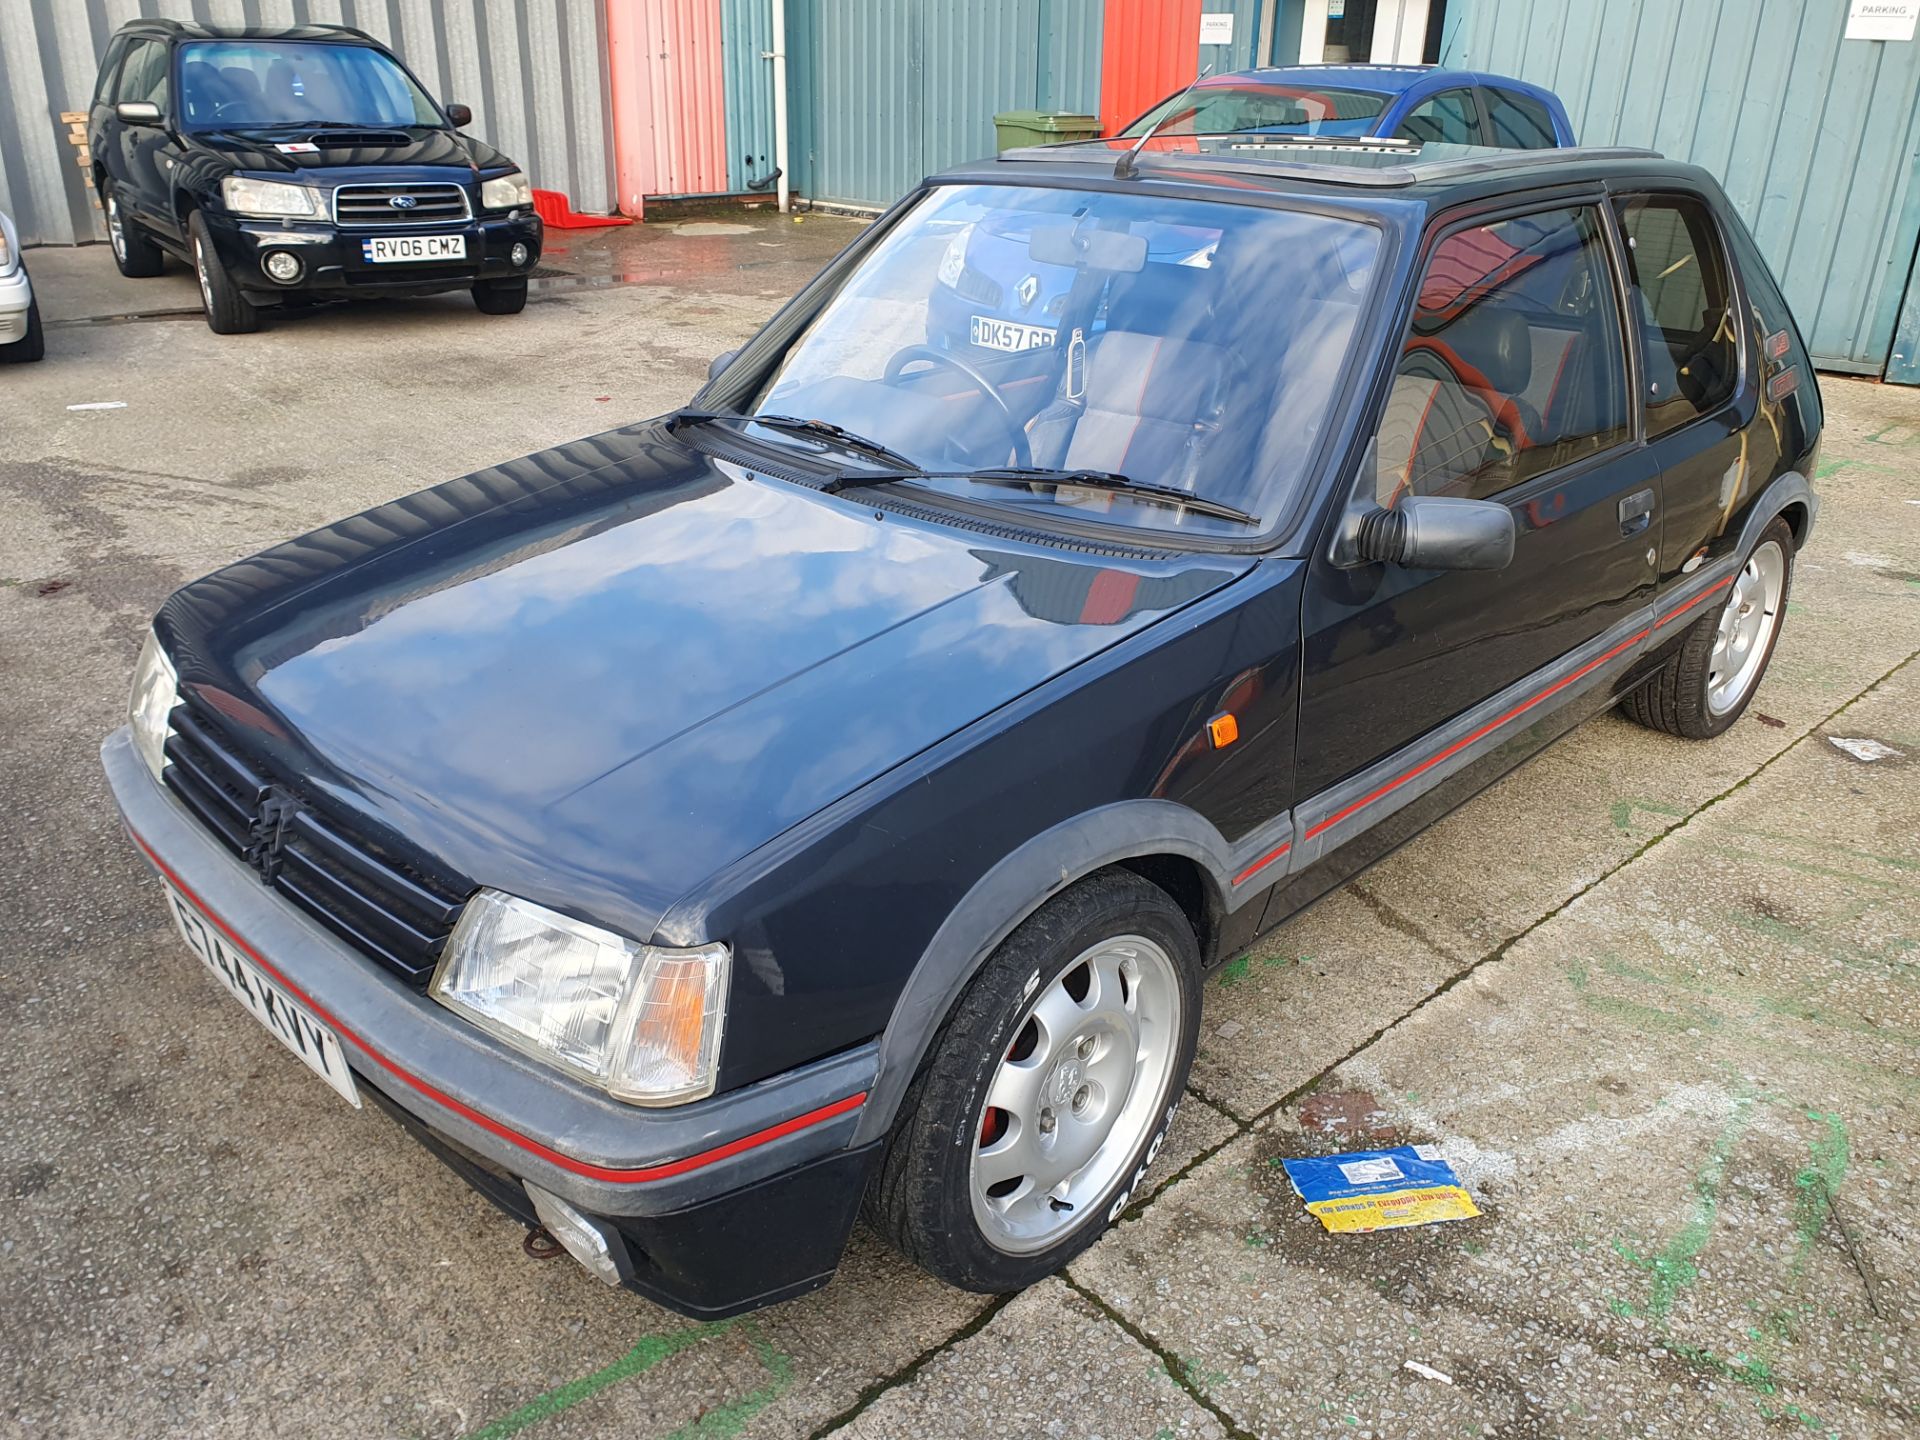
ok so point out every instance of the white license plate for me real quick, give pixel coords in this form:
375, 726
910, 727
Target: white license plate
386, 249
1009, 335
291, 1023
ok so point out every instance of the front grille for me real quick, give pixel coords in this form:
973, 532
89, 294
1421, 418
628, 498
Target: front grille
981, 289
384, 908
372, 205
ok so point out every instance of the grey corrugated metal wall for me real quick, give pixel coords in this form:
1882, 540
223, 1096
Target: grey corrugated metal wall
887, 91
533, 71
1814, 136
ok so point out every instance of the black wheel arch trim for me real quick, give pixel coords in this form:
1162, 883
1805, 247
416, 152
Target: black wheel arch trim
1017, 886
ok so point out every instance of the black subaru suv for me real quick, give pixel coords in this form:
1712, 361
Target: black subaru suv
289, 164
839, 788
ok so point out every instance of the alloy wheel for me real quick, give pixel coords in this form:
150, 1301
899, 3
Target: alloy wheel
116, 228
200, 270
1078, 1091
1747, 623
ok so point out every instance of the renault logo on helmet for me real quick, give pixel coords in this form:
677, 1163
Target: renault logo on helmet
402, 202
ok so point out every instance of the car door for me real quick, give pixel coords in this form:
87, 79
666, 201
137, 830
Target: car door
1448, 117
1512, 386
1697, 387
143, 156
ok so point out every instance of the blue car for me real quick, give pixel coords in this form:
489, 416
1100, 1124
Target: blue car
1403, 102
995, 298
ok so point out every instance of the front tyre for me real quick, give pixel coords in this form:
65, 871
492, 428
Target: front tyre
500, 297
134, 251
1049, 1090
228, 311
1705, 685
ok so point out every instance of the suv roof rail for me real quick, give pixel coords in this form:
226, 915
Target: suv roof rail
196, 30
1265, 156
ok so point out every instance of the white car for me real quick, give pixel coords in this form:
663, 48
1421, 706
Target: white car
20, 337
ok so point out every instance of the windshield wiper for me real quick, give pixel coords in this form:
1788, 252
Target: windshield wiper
794, 424
1040, 475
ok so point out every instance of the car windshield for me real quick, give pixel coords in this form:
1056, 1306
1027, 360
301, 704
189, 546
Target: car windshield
256, 84
1242, 106
1187, 344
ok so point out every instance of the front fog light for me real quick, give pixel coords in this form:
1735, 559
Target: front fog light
640, 1021
282, 266
519, 254
156, 690
584, 1239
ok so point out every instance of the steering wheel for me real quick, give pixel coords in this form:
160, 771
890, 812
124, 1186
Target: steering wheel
1016, 433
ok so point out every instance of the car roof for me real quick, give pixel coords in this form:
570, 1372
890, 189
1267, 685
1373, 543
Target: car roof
1384, 79
194, 30
1365, 171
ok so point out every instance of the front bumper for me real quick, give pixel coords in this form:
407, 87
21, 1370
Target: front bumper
16, 297
691, 1194
332, 262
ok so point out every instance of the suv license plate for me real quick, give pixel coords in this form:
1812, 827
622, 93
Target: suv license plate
290, 1022
386, 249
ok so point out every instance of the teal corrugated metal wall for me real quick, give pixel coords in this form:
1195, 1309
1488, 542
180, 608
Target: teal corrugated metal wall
1070, 78
746, 29
1813, 136
1238, 55
885, 93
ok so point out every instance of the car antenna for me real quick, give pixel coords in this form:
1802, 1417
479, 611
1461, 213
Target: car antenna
1126, 167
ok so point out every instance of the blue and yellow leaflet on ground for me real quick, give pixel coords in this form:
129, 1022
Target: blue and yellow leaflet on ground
1380, 1189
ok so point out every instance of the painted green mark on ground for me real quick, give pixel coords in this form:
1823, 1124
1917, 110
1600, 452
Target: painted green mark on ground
1834, 467
1651, 1017
1577, 975
720, 1423
1236, 970
723, 1422
1672, 1270
1817, 1182
1623, 812
651, 1350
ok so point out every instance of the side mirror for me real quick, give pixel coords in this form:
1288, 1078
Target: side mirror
1433, 532
137, 112
720, 362
460, 115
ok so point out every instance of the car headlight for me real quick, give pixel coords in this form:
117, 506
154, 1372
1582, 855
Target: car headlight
640, 1021
272, 197
156, 690
504, 192
955, 258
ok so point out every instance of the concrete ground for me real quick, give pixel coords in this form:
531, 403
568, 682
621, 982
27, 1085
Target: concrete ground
1659, 1002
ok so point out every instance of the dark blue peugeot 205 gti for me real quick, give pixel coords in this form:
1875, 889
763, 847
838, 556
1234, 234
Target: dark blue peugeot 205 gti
834, 793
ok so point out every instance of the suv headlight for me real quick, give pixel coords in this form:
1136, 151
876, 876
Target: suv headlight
504, 192
156, 690
273, 197
641, 1022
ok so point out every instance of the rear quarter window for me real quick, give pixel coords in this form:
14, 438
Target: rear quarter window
1518, 122
109, 70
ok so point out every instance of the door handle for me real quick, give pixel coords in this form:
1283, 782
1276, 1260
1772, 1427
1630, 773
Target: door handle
1636, 512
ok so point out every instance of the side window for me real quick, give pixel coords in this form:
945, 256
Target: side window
144, 77
109, 71
1684, 303
1514, 363
1518, 122
1449, 118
